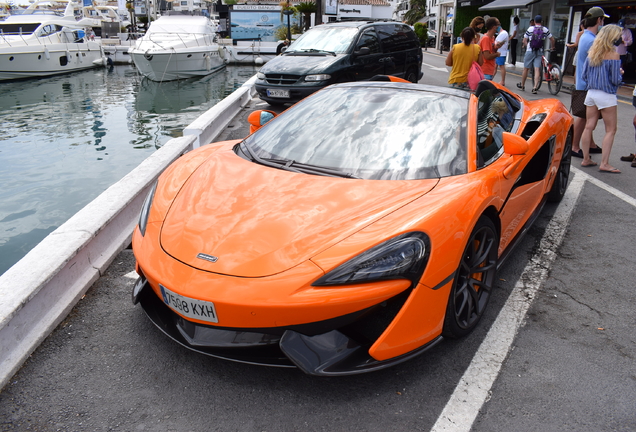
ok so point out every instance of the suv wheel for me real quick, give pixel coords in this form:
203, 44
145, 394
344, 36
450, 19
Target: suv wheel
411, 75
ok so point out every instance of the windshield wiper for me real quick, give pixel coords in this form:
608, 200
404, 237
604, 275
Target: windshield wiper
267, 162
291, 165
311, 169
314, 50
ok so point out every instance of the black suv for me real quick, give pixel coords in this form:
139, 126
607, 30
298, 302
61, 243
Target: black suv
340, 52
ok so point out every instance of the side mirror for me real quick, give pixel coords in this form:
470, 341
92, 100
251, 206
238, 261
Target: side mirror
362, 52
259, 118
283, 49
514, 144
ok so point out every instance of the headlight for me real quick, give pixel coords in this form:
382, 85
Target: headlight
402, 257
260, 75
321, 77
145, 210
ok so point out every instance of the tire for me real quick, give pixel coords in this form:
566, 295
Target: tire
540, 77
554, 85
474, 280
411, 75
563, 174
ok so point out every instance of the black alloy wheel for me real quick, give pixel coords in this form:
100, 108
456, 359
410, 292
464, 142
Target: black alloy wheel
474, 281
563, 174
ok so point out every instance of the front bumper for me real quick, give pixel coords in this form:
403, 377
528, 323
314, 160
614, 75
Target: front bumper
296, 93
337, 346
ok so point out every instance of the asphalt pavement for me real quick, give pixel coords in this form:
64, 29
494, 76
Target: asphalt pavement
569, 364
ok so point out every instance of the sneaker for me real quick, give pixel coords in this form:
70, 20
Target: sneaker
577, 154
534, 91
634, 163
596, 150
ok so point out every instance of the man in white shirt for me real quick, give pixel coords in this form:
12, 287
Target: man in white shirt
501, 44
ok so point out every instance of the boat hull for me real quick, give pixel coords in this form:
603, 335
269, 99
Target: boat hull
46, 60
173, 65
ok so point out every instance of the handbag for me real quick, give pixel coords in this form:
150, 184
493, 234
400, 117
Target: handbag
475, 74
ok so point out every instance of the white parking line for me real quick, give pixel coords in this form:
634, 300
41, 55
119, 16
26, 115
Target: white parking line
628, 199
474, 387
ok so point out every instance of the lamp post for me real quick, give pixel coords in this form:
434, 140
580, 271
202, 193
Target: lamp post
288, 13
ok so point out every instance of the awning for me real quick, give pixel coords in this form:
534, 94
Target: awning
424, 20
507, 4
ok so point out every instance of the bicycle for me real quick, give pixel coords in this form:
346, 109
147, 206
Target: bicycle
551, 73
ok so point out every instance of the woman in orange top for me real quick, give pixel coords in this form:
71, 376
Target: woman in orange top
461, 58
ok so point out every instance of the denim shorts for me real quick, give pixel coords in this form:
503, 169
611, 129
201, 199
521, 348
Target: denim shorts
532, 58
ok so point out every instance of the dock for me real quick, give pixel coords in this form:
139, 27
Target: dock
39, 291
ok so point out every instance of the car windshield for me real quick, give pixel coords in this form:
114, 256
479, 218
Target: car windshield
330, 39
371, 133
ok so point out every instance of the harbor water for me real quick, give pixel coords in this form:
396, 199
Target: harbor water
66, 139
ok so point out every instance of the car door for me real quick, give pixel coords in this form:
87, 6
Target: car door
522, 178
367, 65
395, 43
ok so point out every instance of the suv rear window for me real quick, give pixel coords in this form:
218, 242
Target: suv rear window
396, 37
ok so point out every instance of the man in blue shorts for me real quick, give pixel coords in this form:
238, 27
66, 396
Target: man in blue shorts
501, 44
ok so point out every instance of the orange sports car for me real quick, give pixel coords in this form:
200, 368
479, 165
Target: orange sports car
351, 232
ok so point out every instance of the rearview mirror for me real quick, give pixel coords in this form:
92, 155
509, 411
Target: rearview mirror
362, 51
259, 118
514, 144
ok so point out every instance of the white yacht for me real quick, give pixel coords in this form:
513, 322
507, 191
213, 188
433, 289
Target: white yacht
40, 42
95, 15
177, 47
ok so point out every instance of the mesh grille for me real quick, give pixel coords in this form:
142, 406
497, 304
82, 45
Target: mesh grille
281, 79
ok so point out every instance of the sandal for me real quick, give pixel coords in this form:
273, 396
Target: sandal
634, 163
521, 87
534, 91
629, 158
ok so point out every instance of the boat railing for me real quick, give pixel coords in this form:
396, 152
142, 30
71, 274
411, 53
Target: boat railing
66, 37
166, 40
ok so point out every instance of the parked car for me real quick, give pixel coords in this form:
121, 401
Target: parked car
353, 231
340, 52
432, 38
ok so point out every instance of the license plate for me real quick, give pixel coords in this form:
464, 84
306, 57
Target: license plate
191, 308
278, 93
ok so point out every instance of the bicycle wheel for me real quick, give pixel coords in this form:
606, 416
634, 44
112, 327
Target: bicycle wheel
541, 70
556, 79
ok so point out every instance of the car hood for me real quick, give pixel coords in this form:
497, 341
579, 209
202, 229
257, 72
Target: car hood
256, 221
299, 64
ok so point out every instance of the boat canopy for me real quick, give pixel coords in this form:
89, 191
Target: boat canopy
178, 24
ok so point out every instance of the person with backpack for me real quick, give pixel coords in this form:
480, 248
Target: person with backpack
534, 41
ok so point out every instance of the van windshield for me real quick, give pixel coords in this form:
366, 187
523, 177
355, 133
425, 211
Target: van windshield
333, 39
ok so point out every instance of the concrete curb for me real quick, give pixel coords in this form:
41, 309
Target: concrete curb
39, 291
210, 125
